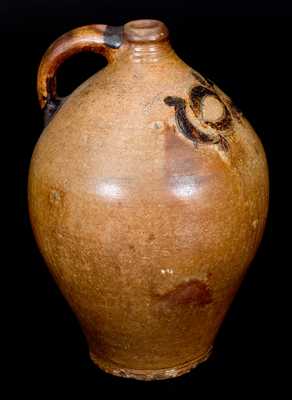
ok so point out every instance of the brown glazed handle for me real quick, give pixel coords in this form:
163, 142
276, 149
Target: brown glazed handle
101, 39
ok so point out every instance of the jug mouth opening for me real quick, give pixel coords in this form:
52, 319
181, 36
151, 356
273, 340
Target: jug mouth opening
145, 30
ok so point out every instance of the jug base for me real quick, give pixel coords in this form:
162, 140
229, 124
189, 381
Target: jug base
148, 374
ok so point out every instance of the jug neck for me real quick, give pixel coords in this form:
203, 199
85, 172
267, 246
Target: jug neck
147, 41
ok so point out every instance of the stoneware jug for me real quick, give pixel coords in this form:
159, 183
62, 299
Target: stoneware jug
148, 194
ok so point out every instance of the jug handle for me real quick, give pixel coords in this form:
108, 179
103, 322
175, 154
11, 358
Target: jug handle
101, 39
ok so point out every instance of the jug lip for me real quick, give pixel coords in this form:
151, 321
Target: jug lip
145, 30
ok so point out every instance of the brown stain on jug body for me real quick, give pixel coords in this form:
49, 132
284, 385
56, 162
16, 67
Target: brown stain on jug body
193, 292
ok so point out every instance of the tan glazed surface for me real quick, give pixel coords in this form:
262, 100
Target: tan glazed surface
148, 194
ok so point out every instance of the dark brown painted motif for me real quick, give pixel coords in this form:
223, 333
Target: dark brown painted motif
221, 129
206, 82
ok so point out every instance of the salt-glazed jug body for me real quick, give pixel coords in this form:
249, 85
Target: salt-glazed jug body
148, 194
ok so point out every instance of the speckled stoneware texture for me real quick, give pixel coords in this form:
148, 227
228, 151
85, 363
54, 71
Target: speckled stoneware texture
148, 194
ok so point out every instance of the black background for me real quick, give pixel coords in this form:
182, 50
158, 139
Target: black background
247, 55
